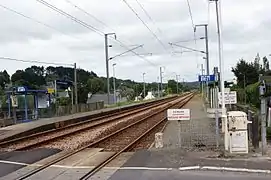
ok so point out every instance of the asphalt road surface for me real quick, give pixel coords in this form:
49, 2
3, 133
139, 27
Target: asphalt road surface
27, 157
185, 175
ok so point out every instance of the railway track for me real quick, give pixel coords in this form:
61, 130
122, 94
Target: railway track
122, 146
37, 139
149, 125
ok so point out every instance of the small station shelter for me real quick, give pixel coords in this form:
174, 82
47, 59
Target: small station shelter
38, 103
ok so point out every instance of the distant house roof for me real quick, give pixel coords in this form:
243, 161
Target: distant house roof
101, 97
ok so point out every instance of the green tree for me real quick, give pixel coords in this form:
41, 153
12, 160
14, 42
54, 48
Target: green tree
265, 64
63, 101
82, 93
172, 85
127, 92
252, 94
4, 79
247, 70
95, 85
32, 77
169, 90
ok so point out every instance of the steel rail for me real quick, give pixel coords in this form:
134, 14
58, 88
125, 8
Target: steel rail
125, 114
68, 154
127, 147
86, 128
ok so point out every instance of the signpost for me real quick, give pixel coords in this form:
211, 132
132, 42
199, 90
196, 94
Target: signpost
178, 115
50, 90
207, 79
229, 97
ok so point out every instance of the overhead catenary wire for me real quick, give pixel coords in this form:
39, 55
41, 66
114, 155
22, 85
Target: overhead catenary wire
92, 16
35, 61
34, 20
90, 27
190, 13
193, 26
88, 14
143, 22
148, 15
150, 18
86, 25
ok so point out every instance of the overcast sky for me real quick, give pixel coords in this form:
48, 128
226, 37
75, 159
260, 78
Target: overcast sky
246, 31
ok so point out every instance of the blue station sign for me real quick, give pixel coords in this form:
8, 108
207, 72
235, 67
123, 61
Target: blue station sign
206, 78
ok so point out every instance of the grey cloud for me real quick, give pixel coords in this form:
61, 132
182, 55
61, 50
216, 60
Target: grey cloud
172, 17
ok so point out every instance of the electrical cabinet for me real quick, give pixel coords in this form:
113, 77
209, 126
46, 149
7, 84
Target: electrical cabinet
238, 136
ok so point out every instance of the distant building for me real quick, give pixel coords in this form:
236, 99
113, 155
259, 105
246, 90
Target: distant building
149, 96
103, 97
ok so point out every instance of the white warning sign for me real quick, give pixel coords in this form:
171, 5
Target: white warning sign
178, 114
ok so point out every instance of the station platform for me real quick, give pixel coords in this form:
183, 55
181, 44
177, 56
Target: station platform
44, 124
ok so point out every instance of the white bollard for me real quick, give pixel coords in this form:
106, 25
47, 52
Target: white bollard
159, 140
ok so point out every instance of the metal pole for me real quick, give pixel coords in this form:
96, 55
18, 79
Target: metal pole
72, 90
75, 86
144, 88
161, 79
207, 59
55, 84
215, 97
211, 97
206, 46
221, 67
262, 88
177, 84
245, 89
202, 92
216, 88
158, 86
114, 82
14, 107
269, 118
217, 128
263, 125
55, 89
183, 86
179, 133
207, 49
107, 67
